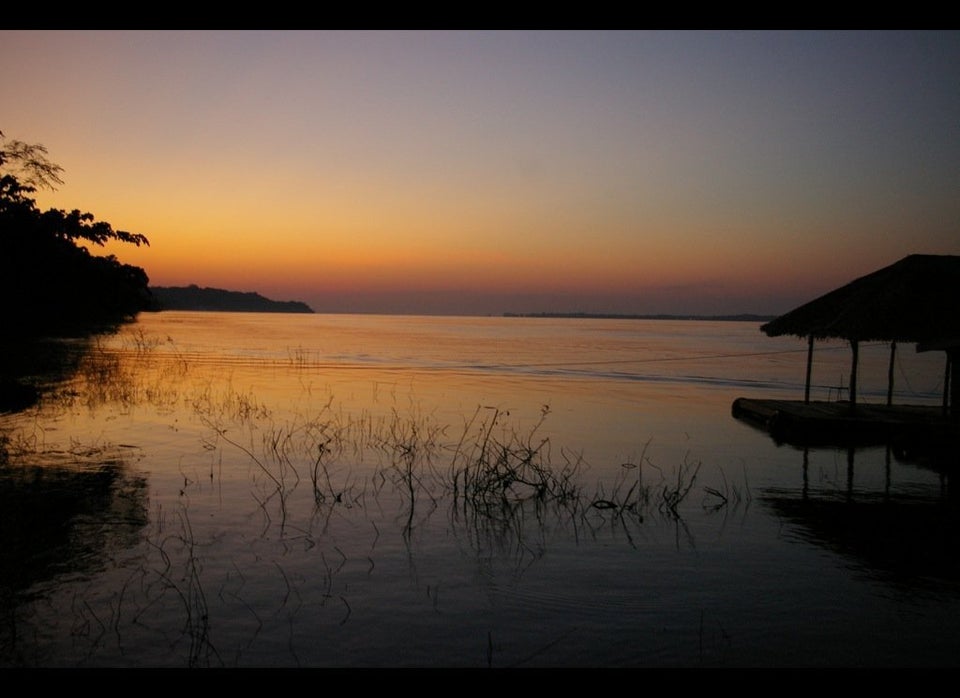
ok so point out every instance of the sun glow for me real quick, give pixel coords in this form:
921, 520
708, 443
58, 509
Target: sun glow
595, 167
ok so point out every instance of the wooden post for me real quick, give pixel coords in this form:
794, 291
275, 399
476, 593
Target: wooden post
893, 353
806, 390
855, 348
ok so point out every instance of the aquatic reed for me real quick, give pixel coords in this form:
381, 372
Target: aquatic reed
672, 495
508, 466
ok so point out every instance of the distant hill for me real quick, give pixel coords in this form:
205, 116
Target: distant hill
193, 297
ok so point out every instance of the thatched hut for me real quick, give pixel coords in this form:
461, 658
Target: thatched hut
916, 300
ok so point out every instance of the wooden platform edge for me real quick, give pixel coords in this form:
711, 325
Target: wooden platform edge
839, 423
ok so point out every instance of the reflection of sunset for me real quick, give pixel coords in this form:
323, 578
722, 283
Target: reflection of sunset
238, 489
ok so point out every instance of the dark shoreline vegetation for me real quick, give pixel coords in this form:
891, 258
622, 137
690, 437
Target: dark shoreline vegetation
52, 286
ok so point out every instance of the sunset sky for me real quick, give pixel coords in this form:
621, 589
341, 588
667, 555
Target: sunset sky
515, 171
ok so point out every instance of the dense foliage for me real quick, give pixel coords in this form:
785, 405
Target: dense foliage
50, 283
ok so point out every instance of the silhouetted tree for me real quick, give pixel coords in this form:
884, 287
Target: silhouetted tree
29, 164
49, 282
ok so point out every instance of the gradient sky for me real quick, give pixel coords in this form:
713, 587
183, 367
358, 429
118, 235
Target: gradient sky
514, 171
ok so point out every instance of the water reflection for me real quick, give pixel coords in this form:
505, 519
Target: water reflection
908, 536
340, 500
65, 509
28, 368
908, 542
60, 521
394, 526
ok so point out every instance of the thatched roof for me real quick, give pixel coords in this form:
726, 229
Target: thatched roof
915, 300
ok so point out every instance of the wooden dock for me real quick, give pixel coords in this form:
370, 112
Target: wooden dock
839, 423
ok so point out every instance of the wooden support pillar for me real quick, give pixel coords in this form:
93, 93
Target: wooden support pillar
806, 390
855, 348
893, 354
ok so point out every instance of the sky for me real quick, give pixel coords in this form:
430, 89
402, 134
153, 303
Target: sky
483, 172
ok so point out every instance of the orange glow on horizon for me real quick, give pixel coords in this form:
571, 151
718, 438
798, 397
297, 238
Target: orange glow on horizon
608, 168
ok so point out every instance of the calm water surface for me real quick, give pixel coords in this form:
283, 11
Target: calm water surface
218, 489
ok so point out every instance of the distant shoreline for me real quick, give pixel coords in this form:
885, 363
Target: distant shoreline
741, 317
217, 299
196, 298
